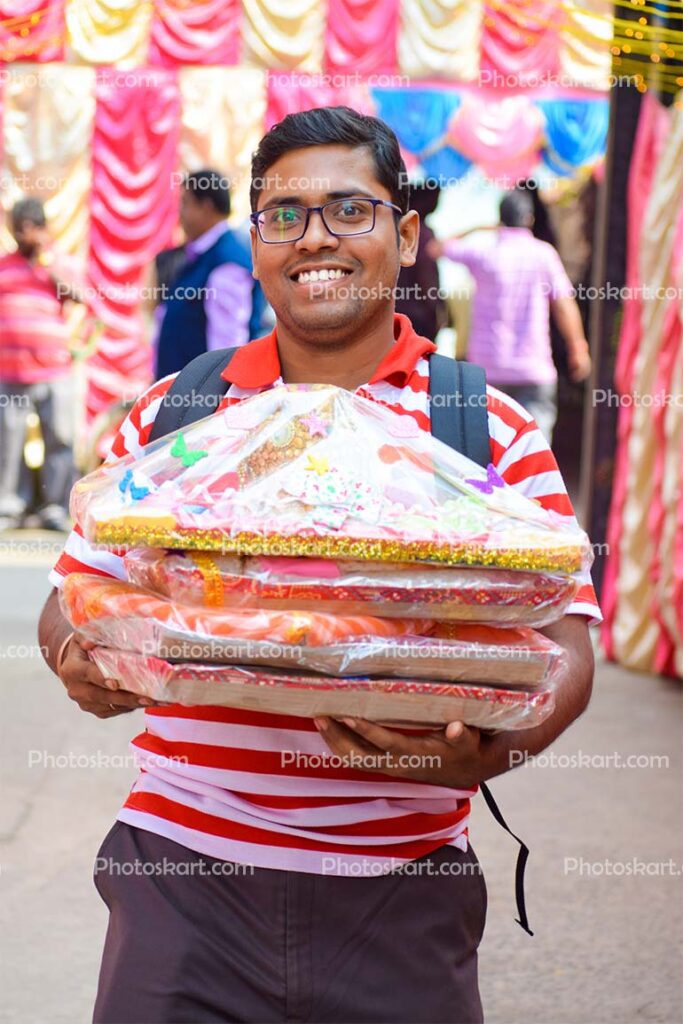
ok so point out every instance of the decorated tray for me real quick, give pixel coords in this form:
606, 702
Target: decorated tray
320, 472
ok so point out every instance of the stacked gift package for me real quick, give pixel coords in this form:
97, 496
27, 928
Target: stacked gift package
310, 552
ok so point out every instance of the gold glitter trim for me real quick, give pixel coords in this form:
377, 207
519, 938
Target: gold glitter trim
121, 533
213, 583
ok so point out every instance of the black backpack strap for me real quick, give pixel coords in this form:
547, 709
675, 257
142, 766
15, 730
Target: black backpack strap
457, 392
522, 858
458, 413
196, 392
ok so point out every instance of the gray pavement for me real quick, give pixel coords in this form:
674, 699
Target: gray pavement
604, 898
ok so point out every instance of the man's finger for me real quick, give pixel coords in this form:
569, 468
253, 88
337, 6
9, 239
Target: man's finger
95, 697
387, 739
350, 745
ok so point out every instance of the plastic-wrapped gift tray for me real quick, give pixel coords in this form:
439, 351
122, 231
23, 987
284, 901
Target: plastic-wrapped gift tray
317, 471
446, 593
122, 616
392, 701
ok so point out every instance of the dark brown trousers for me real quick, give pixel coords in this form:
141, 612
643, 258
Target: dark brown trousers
192, 940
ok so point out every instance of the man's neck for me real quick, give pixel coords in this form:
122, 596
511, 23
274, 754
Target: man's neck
347, 364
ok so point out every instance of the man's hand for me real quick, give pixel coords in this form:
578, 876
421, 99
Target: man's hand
579, 365
445, 757
86, 685
460, 756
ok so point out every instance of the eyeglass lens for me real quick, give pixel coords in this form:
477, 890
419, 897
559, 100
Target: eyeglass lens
342, 217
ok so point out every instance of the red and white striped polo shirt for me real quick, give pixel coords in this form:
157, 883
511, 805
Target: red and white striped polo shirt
225, 782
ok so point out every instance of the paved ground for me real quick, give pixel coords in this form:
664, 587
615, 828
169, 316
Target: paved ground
607, 946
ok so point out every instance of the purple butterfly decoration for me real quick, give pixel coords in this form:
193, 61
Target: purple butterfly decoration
492, 480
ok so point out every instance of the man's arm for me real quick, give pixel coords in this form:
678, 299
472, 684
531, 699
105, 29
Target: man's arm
460, 757
83, 681
566, 315
574, 688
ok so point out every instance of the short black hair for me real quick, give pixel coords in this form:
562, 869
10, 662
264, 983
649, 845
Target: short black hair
28, 209
517, 209
334, 126
210, 185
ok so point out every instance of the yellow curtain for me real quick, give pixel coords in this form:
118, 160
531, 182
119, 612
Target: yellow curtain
440, 38
635, 630
283, 33
108, 31
223, 113
585, 36
48, 117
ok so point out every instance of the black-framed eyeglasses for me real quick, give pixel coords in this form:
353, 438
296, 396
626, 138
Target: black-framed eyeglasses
341, 217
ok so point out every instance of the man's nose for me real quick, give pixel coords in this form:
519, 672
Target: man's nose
316, 235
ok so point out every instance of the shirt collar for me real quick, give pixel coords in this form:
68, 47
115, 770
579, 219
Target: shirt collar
257, 365
198, 246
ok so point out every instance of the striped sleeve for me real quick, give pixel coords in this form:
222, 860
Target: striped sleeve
523, 458
80, 556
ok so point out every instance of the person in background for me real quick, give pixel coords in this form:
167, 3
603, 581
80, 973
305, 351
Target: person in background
519, 281
35, 362
417, 294
209, 298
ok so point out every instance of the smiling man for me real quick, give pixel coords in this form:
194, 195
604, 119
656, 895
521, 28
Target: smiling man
264, 888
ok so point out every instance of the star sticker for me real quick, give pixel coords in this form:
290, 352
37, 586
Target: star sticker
315, 424
318, 465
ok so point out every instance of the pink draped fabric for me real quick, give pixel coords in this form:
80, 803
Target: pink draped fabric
670, 352
360, 37
517, 43
672, 349
677, 594
44, 40
648, 143
196, 33
292, 93
503, 137
650, 137
133, 212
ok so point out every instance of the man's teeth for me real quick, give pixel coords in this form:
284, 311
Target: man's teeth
308, 276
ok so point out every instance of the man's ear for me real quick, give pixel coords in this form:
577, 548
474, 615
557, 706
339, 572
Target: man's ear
409, 235
254, 250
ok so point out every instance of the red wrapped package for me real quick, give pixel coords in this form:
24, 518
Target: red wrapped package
392, 701
120, 615
492, 596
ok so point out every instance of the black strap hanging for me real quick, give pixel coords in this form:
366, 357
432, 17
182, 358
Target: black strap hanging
522, 857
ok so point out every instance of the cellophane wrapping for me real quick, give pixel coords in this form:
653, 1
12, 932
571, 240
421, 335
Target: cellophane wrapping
444, 593
391, 701
317, 471
122, 616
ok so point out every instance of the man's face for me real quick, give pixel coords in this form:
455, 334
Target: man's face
195, 215
30, 237
332, 311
